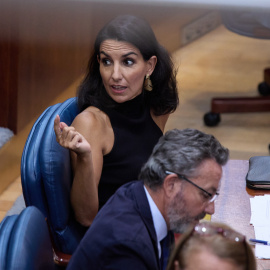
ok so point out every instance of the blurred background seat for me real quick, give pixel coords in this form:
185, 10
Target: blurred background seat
254, 25
25, 242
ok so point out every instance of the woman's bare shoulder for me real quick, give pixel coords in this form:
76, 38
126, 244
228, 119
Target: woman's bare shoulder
96, 127
91, 117
160, 120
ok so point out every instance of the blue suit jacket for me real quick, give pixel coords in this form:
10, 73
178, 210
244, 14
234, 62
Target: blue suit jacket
122, 235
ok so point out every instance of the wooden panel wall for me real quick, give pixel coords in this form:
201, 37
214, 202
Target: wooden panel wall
8, 68
45, 45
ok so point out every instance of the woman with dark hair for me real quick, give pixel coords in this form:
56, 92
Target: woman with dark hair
125, 100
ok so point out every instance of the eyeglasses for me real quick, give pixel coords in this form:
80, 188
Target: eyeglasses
207, 229
212, 197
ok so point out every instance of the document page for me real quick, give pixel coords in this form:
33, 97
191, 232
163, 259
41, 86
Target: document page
260, 219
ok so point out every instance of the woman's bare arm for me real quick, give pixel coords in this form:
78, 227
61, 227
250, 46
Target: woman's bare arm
89, 138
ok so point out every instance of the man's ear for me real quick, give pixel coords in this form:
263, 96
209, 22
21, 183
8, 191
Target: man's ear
169, 184
151, 64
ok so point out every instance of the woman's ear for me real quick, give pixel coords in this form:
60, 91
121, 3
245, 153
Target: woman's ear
98, 59
151, 64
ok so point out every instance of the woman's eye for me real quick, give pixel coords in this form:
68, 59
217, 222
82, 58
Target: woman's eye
106, 61
128, 62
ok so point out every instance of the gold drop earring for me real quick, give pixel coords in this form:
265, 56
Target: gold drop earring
147, 83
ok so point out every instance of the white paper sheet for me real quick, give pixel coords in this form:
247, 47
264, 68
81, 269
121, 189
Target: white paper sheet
260, 219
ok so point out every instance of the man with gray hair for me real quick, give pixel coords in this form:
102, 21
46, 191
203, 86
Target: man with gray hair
178, 186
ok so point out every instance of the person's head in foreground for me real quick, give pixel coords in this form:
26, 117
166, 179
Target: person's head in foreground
186, 168
212, 246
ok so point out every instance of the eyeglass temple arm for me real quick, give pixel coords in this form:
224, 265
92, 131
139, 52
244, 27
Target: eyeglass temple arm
183, 177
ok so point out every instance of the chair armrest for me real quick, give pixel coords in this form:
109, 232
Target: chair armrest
60, 258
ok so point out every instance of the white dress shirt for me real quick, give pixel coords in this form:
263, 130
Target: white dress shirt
158, 220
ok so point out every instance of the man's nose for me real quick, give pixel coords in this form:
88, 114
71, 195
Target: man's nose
210, 208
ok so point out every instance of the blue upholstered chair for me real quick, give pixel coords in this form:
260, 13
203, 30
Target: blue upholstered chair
47, 178
25, 242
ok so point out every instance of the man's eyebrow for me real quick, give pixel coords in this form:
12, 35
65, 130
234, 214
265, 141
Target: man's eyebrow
213, 190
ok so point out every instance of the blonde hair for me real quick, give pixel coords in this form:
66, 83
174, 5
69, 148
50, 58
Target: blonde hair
239, 253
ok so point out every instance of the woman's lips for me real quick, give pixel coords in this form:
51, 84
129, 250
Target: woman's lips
118, 88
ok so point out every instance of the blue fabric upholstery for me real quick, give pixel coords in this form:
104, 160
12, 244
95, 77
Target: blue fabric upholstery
6, 227
25, 242
47, 177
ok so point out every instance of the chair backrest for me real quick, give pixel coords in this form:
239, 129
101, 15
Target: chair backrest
25, 242
6, 227
47, 177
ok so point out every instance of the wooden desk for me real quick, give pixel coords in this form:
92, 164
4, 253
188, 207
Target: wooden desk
233, 204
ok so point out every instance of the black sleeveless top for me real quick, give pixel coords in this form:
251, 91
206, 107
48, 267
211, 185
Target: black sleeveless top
135, 135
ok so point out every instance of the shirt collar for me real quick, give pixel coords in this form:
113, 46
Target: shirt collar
158, 220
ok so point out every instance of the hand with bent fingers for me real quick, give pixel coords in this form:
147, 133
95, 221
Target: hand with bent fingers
69, 138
